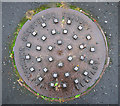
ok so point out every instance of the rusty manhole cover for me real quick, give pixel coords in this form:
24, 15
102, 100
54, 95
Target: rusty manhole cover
60, 53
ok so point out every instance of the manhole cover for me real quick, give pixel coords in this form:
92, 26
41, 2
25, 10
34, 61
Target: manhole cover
60, 53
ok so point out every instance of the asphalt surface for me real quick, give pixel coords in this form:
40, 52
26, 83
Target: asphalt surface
106, 91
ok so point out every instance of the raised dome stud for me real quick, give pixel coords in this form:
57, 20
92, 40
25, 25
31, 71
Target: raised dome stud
52, 84
50, 48
88, 37
69, 47
85, 73
34, 33
59, 42
32, 69
70, 58
38, 59
27, 57
69, 22
91, 62
40, 79
55, 20
81, 46
44, 38
43, 25
67, 74
82, 57
45, 70
53, 32
65, 31
75, 37
64, 85
60, 64
38, 48
76, 81
76, 68
50, 59
92, 49
28, 45
80, 28
55, 75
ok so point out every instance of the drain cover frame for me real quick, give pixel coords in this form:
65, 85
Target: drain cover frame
63, 49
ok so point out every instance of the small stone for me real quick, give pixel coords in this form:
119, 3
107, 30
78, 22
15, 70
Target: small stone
105, 22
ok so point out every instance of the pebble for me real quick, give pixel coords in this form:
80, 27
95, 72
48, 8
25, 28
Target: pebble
80, 10
110, 34
116, 86
105, 93
4, 63
3, 26
98, 17
104, 16
99, 9
105, 22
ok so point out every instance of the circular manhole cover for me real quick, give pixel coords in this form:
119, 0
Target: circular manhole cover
60, 53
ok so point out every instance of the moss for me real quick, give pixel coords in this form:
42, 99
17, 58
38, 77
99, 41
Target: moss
43, 7
56, 84
77, 96
58, 4
107, 40
72, 7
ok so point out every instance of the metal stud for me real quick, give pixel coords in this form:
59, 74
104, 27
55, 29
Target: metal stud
75, 37
34, 33
91, 62
45, 69
92, 49
55, 75
38, 59
59, 42
70, 58
40, 79
88, 37
76, 68
43, 25
76, 81
44, 38
32, 69
85, 73
60, 64
53, 32
65, 31
86, 80
38, 48
67, 74
80, 28
64, 85
28, 45
82, 57
50, 48
69, 22
69, 47
81, 46
55, 20
27, 57
50, 59
52, 84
